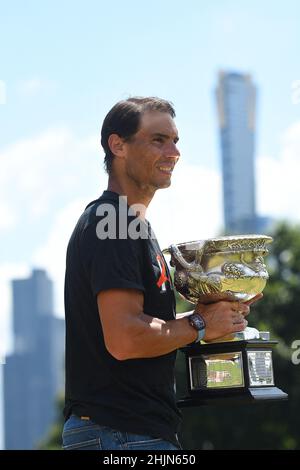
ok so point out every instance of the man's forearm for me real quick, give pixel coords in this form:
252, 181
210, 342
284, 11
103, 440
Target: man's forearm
143, 335
152, 337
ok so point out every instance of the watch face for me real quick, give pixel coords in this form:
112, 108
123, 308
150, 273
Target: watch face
197, 322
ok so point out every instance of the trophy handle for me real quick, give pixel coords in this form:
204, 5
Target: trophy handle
176, 253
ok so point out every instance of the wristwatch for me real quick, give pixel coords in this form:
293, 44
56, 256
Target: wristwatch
197, 322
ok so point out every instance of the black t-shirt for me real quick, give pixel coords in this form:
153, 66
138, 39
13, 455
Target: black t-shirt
134, 395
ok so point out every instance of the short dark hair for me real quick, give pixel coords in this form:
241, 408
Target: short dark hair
124, 120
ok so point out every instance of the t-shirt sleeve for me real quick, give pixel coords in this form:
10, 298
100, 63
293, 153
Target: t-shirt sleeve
111, 263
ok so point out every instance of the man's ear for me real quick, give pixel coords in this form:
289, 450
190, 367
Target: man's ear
116, 145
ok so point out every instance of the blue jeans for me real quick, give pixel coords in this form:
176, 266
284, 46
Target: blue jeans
84, 434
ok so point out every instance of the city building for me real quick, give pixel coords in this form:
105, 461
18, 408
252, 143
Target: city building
33, 373
236, 98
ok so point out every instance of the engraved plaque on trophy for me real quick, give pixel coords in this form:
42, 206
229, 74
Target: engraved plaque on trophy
239, 367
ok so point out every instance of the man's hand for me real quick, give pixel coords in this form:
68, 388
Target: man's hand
224, 318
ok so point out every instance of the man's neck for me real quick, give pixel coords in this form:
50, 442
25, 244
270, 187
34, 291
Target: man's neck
134, 194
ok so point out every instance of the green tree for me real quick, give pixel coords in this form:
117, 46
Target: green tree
53, 440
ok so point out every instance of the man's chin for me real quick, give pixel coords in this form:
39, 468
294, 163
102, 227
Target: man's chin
164, 184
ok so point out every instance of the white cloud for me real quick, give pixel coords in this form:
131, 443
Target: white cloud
34, 86
47, 171
190, 209
51, 255
226, 24
278, 179
7, 218
40, 178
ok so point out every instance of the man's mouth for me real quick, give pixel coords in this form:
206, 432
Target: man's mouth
167, 169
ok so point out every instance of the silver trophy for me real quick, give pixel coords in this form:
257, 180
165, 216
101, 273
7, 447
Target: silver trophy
240, 366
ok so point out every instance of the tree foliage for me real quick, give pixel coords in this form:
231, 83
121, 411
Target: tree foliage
53, 440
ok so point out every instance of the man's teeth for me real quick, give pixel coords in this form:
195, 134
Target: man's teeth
165, 168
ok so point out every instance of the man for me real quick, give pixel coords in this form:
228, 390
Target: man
122, 330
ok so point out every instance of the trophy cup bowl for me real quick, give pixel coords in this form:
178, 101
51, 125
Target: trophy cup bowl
238, 367
225, 268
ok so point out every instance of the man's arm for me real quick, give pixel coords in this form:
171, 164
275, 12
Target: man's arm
129, 333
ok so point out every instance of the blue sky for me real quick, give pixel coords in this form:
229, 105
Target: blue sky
65, 63
90, 54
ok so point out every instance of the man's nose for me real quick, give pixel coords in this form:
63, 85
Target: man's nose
173, 151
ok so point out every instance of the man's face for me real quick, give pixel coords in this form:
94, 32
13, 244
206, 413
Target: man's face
151, 154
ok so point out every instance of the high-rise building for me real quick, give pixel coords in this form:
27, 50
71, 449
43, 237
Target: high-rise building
33, 374
236, 110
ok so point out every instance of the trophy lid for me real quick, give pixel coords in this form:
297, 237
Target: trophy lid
233, 243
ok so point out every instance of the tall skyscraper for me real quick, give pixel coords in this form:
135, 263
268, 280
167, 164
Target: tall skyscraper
33, 374
236, 110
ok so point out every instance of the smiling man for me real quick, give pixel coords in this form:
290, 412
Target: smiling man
122, 332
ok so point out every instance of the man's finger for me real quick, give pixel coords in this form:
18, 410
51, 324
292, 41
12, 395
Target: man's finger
239, 326
255, 299
241, 307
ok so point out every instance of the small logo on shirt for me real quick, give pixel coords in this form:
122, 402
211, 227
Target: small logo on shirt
163, 278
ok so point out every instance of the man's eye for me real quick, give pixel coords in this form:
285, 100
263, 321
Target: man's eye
158, 139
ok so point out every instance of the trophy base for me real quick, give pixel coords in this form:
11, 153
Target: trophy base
250, 396
230, 372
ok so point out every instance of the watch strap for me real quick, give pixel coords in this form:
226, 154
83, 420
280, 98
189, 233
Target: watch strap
201, 334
